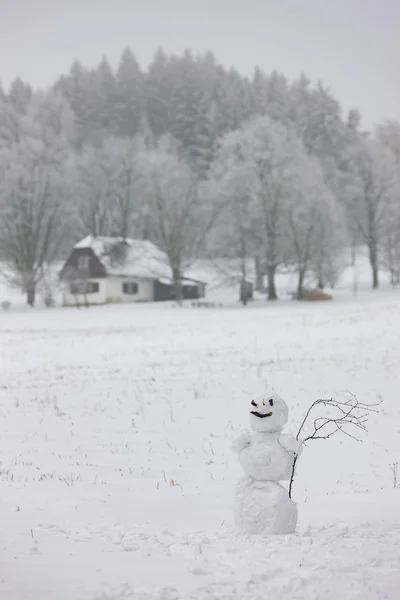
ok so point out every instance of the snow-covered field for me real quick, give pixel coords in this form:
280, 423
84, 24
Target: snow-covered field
116, 471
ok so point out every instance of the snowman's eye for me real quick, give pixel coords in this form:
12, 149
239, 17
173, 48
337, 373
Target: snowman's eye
253, 403
271, 402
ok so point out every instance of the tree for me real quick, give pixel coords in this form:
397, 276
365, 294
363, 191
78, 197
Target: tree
20, 95
388, 134
193, 114
270, 96
95, 171
271, 154
100, 117
34, 207
236, 235
79, 90
375, 185
158, 93
127, 206
311, 218
328, 260
174, 206
129, 99
109, 186
10, 121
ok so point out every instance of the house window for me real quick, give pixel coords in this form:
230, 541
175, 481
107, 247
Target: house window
92, 287
84, 287
83, 262
130, 288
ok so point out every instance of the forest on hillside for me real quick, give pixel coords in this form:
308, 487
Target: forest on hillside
202, 161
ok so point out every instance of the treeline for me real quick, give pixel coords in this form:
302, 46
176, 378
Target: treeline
202, 161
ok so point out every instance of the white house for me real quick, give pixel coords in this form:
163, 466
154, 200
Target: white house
103, 270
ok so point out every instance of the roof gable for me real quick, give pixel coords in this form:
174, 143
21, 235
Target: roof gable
73, 270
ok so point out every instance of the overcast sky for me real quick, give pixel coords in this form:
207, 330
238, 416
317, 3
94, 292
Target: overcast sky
352, 45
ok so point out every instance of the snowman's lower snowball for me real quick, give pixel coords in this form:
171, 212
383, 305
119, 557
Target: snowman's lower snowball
263, 507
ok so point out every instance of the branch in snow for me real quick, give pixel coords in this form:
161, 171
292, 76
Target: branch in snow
348, 417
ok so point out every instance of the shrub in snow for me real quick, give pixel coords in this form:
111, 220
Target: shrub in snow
315, 296
6, 304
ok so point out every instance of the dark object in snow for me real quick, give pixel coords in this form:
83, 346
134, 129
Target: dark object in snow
246, 292
314, 296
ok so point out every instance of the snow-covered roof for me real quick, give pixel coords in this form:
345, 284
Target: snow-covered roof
129, 257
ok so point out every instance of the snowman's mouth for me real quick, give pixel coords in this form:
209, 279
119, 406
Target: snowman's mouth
261, 416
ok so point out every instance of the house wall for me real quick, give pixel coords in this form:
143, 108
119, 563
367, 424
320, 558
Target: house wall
115, 294
110, 290
94, 298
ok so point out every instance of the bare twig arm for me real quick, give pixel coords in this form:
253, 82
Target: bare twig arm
350, 414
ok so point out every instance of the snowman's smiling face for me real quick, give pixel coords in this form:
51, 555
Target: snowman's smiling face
268, 413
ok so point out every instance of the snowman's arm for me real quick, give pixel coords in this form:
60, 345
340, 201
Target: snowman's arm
290, 444
241, 442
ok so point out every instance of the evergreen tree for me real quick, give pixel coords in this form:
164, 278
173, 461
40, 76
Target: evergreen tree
78, 89
129, 95
20, 95
158, 93
101, 120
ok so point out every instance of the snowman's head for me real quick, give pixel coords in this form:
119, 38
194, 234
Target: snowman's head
268, 413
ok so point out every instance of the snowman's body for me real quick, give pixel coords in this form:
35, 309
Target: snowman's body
263, 507
266, 455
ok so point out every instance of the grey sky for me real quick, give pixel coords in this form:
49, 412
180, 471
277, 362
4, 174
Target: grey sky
352, 45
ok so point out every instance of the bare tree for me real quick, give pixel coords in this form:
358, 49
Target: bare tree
374, 168
179, 218
272, 152
348, 417
389, 135
125, 190
34, 210
311, 214
109, 187
95, 173
267, 154
236, 235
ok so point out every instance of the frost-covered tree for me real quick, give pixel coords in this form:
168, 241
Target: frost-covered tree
311, 220
110, 198
271, 154
270, 95
10, 121
374, 191
175, 206
79, 90
279, 201
235, 237
128, 207
94, 174
34, 192
20, 95
102, 116
158, 93
186, 95
129, 96
388, 134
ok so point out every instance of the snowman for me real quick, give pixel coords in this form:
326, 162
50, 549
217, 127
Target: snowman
266, 454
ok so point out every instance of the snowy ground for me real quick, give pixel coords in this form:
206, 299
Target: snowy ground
116, 471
